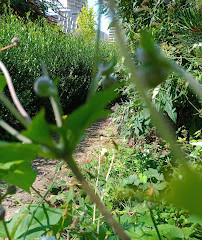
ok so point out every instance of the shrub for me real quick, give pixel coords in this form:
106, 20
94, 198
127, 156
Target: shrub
67, 56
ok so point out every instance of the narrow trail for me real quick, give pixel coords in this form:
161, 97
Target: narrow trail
96, 137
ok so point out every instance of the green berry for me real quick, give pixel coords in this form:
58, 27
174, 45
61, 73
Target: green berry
44, 87
2, 212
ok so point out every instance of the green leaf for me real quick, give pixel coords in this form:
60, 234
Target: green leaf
15, 168
186, 191
3, 82
2, 230
195, 219
88, 113
171, 232
39, 130
142, 177
44, 218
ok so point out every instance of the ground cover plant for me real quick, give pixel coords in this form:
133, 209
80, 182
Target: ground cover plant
152, 187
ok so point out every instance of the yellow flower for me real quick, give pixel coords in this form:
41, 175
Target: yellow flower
64, 117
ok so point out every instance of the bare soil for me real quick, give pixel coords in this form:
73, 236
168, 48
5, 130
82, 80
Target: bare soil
96, 137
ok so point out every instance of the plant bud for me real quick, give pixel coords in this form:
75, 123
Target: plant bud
44, 87
15, 41
11, 189
2, 212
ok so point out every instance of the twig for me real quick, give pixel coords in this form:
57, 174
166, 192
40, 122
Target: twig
12, 109
8, 47
13, 93
14, 132
57, 111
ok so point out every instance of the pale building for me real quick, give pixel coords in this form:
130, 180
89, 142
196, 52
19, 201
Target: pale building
68, 13
112, 34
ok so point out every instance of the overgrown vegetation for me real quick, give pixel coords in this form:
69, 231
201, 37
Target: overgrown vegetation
150, 180
68, 57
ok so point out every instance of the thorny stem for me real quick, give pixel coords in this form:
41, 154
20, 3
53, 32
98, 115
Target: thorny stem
13, 93
14, 132
94, 197
155, 225
6, 229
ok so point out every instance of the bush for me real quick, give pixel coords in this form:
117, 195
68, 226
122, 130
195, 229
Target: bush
67, 56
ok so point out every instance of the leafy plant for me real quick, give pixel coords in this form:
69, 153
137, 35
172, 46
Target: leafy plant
148, 181
86, 23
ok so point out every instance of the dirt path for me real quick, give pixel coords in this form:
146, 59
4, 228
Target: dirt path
96, 137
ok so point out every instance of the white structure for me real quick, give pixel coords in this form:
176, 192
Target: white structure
112, 34
69, 12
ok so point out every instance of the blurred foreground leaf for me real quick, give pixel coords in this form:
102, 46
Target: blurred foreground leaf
44, 218
186, 192
15, 168
39, 130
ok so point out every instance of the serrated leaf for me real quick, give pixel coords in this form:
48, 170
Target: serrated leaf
44, 218
15, 167
39, 130
83, 117
3, 82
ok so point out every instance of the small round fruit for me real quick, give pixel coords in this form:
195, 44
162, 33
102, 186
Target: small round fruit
2, 212
44, 87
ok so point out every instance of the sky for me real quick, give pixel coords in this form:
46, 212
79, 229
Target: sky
104, 21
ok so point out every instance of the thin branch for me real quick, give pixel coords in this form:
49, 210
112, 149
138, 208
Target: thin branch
12, 109
7, 47
14, 132
57, 111
13, 93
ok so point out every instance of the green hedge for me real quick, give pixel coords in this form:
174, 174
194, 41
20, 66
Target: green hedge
66, 56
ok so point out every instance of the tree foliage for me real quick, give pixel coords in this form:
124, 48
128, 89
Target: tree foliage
86, 23
22, 7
